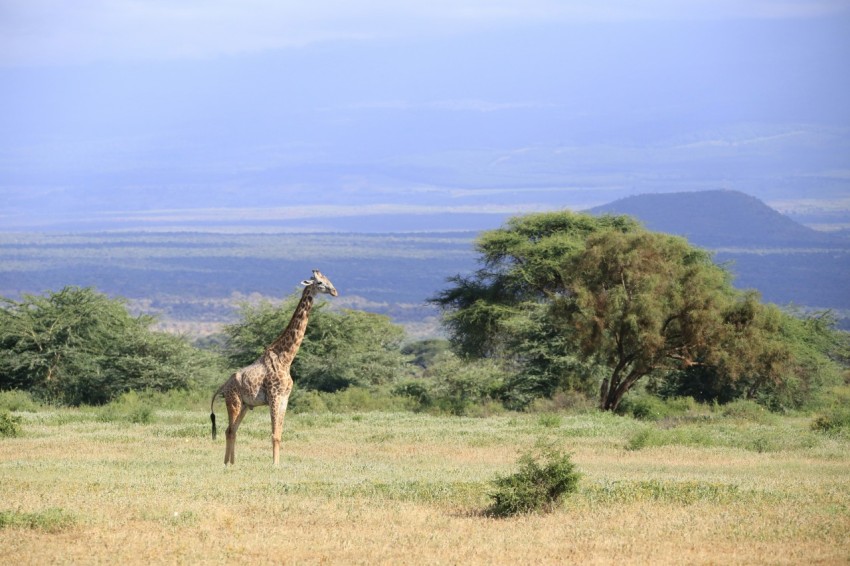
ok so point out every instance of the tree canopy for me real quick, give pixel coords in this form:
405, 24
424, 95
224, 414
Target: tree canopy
340, 349
79, 346
503, 310
642, 302
575, 301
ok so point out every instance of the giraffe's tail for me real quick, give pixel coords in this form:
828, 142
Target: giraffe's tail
212, 412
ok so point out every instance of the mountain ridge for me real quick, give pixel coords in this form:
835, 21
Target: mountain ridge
719, 218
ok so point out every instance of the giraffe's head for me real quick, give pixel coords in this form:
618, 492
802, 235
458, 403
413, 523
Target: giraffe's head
320, 284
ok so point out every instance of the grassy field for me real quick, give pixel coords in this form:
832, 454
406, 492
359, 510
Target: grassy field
90, 486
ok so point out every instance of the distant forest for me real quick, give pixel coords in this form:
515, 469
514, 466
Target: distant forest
200, 277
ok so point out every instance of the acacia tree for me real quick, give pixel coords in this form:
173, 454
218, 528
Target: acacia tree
340, 349
502, 311
797, 356
78, 346
522, 269
561, 294
643, 302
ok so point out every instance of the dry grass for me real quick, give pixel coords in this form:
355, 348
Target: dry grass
410, 489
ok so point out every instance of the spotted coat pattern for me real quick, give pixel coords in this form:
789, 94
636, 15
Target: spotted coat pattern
267, 381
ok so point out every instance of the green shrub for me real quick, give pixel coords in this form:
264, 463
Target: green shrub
549, 420
647, 407
643, 407
365, 399
77, 346
194, 399
747, 410
306, 401
418, 390
574, 402
643, 438
677, 406
129, 407
10, 425
544, 477
451, 385
835, 420
461, 387
486, 408
16, 400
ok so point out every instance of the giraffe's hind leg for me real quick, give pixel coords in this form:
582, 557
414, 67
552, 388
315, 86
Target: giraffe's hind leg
235, 413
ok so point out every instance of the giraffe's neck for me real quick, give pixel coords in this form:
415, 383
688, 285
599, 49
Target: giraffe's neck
286, 345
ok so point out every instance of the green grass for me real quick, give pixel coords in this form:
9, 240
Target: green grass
729, 434
411, 488
50, 520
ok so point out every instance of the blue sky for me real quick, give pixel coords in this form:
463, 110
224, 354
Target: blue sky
344, 115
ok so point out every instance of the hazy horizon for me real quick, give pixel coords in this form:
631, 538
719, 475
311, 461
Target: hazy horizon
368, 116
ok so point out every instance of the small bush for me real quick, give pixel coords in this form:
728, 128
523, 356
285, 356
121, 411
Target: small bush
365, 399
487, 408
678, 406
549, 420
563, 400
305, 401
746, 410
544, 477
643, 407
462, 387
836, 420
10, 425
418, 390
15, 400
646, 407
643, 438
129, 407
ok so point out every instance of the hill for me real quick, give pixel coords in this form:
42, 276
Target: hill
788, 263
718, 219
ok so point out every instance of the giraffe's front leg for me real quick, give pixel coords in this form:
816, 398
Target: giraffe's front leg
277, 407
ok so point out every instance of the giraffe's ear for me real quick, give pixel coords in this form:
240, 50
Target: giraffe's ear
307, 282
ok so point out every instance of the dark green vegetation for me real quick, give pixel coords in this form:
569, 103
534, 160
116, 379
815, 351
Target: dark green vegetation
10, 425
78, 346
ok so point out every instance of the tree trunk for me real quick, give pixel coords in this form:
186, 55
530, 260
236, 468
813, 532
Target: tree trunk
603, 394
613, 399
614, 395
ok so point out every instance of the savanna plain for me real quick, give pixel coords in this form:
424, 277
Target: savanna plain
128, 484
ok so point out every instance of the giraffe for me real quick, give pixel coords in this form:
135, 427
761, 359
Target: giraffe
267, 380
